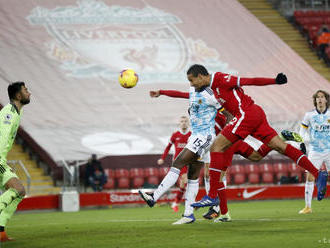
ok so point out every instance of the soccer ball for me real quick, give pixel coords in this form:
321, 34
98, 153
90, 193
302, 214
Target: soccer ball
128, 78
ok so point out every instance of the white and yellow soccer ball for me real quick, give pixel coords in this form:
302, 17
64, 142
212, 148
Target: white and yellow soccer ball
128, 78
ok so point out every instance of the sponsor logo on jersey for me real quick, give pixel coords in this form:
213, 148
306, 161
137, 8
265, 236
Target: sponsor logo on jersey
93, 39
181, 145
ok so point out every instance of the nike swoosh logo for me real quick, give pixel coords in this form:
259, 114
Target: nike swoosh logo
247, 195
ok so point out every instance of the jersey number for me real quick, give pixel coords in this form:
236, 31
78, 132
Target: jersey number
197, 142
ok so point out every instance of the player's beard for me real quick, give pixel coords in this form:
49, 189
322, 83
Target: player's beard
25, 101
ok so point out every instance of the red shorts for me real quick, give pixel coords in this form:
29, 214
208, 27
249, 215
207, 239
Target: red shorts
252, 122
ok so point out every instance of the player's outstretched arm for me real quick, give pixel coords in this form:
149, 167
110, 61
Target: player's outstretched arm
280, 79
164, 155
174, 93
170, 93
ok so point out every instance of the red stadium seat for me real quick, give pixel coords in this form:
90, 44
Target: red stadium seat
266, 168
237, 168
110, 183
238, 173
252, 171
253, 178
111, 179
110, 173
136, 172
239, 178
296, 171
267, 177
267, 173
137, 177
153, 180
151, 171
137, 182
280, 170
251, 168
121, 173
123, 183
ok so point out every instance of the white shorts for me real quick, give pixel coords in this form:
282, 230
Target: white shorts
318, 159
200, 145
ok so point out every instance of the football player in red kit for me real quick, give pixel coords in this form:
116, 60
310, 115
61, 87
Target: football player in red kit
249, 119
240, 147
179, 139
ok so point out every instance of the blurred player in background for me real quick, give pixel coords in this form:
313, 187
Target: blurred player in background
12, 188
249, 119
179, 139
315, 129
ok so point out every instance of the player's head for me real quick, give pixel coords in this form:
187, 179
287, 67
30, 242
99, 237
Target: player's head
198, 76
17, 91
184, 123
321, 99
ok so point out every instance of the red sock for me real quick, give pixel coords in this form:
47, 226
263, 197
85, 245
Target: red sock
264, 150
300, 159
214, 183
243, 148
223, 198
179, 195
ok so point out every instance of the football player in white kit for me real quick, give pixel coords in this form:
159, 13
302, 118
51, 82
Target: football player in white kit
203, 107
315, 129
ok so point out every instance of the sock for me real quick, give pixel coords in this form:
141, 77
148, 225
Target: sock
191, 192
309, 189
8, 212
223, 198
217, 159
300, 159
216, 208
168, 181
207, 185
214, 182
179, 195
7, 197
264, 150
243, 148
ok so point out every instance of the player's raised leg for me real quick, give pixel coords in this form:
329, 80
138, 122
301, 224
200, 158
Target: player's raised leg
300, 159
182, 188
185, 157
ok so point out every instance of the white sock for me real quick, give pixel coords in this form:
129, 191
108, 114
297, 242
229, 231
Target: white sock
216, 208
309, 188
191, 192
168, 181
207, 185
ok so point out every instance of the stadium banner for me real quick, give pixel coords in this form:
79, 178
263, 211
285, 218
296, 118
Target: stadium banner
117, 198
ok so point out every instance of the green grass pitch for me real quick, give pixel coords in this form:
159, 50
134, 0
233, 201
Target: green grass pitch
255, 224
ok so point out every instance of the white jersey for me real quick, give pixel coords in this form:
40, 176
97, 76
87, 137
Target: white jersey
203, 107
318, 128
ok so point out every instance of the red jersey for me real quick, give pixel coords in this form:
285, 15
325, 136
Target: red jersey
228, 91
179, 140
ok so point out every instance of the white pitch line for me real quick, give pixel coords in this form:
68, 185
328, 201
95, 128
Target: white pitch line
164, 220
